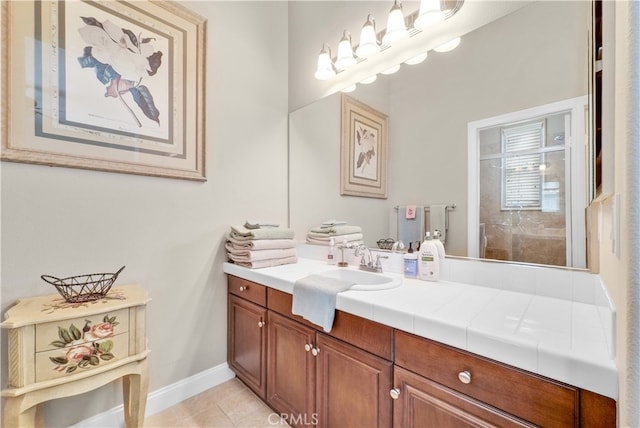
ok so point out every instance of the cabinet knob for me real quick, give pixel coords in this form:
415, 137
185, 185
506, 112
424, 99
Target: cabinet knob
261, 323
464, 377
244, 288
315, 351
395, 393
308, 347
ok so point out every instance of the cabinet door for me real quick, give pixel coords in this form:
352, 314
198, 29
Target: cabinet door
422, 403
247, 343
291, 366
352, 386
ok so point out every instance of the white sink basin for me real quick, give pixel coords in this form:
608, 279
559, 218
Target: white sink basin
364, 281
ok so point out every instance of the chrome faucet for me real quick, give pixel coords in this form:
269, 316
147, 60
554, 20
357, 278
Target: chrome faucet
364, 251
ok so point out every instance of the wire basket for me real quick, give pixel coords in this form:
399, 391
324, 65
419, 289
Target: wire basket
83, 288
386, 244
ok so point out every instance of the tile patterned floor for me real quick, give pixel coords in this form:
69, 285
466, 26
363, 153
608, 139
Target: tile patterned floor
227, 405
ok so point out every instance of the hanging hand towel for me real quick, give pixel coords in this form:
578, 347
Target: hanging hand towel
438, 220
314, 298
410, 229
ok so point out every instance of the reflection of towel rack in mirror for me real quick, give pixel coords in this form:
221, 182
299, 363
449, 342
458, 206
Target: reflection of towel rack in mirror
436, 217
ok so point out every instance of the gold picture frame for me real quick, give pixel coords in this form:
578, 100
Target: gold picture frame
363, 159
110, 86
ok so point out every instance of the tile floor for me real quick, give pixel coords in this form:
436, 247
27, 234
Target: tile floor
227, 405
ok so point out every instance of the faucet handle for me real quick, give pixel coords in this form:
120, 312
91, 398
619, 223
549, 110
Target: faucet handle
378, 263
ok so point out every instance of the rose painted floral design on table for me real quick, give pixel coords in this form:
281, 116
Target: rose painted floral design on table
122, 60
84, 348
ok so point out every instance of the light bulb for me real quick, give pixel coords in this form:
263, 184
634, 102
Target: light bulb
430, 13
448, 46
345, 57
396, 27
368, 40
391, 70
325, 69
369, 79
417, 59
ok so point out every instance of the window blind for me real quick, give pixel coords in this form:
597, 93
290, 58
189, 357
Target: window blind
522, 180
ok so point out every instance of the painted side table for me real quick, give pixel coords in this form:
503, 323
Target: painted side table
58, 349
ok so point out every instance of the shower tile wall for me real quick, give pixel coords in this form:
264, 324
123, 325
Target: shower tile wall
531, 236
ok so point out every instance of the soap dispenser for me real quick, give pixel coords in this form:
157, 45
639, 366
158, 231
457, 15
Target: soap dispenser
410, 263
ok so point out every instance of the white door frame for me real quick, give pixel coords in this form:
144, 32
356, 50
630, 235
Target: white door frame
575, 154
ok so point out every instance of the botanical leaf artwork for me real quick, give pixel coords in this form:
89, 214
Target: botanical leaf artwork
84, 348
122, 60
366, 146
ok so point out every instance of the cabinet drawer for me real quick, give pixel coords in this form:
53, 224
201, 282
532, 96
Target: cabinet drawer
363, 333
530, 397
54, 335
78, 358
251, 291
80, 344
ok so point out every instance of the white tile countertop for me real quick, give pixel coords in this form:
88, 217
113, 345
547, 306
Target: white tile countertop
564, 335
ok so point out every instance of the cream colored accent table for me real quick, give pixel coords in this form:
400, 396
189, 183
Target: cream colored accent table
58, 349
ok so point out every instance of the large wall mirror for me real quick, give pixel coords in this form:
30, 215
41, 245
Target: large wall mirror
535, 56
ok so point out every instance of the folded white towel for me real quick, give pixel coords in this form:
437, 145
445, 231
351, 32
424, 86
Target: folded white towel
259, 225
330, 223
325, 240
254, 255
343, 229
241, 233
314, 298
261, 244
268, 263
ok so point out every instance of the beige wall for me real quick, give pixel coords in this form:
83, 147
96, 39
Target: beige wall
619, 267
169, 233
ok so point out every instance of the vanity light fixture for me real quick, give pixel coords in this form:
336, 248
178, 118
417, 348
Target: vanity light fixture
396, 26
378, 45
325, 68
448, 46
391, 70
369, 45
345, 52
430, 13
417, 59
350, 88
369, 79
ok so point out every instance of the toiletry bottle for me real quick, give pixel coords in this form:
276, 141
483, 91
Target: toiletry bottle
331, 255
440, 247
428, 260
410, 263
436, 239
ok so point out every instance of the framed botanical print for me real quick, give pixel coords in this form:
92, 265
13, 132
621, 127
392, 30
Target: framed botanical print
107, 85
363, 160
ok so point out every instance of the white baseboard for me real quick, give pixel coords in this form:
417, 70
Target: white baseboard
165, 397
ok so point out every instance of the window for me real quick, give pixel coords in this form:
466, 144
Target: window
522, 160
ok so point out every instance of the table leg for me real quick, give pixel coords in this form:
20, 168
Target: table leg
15, 417
134, 391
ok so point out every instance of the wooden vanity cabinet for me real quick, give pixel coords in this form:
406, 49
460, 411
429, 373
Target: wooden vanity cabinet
347, 378
317, 379
439, 382
420, 402
247, 333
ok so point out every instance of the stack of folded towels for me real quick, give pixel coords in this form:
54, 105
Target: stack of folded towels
340, 231
257, 245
